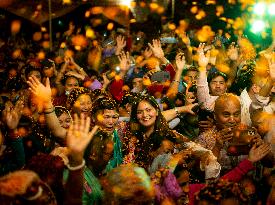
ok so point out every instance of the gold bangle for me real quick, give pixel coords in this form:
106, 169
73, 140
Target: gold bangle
176, 81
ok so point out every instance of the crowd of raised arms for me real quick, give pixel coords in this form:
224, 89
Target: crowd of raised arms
125, 119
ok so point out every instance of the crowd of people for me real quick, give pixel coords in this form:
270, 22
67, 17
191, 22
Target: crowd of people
129, 120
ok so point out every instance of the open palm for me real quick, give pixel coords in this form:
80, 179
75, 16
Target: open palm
79, 135
42, 92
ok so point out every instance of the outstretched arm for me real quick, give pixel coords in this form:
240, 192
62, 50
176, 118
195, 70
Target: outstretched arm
203, 89
43, 93
174, 86
78, 138
255, 155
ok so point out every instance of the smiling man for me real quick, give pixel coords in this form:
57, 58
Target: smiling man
210, 87
227, 114
227, 111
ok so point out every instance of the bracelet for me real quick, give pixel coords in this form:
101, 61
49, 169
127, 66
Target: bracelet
176, 81
76, 167
167, 62
49, 112
177, 111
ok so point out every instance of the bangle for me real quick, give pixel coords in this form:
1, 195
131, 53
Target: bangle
176, 81
167, 63
177, 111
76, 167
49, 112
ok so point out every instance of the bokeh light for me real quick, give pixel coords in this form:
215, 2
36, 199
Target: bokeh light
271, 9
257, 26
126, 3
259, 8
15, 26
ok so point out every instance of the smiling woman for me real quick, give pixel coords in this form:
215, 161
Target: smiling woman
79, 101
150, 131
149, 136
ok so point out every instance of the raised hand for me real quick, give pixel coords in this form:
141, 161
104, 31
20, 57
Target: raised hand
53, 63
124, 61
120, 44
42, 92
106, 81
79, 136
67, 60
185, 38
224, 135
190, 96
205, 125
72, 60
12, 115
203, 58
156, 48
180, 158
189, 108
233, 52
258, 153
147, 53
180, 61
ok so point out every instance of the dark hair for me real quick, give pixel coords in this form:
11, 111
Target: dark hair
75, 93
98, 93
160, 124
47, 64
14, 83
29, 69
94, 153
213, 73
12, 65
179, 169
191, 68
59, 110
244, 78
129, 98
65, 78
161, 129
104, 104
216, 191
170, 104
